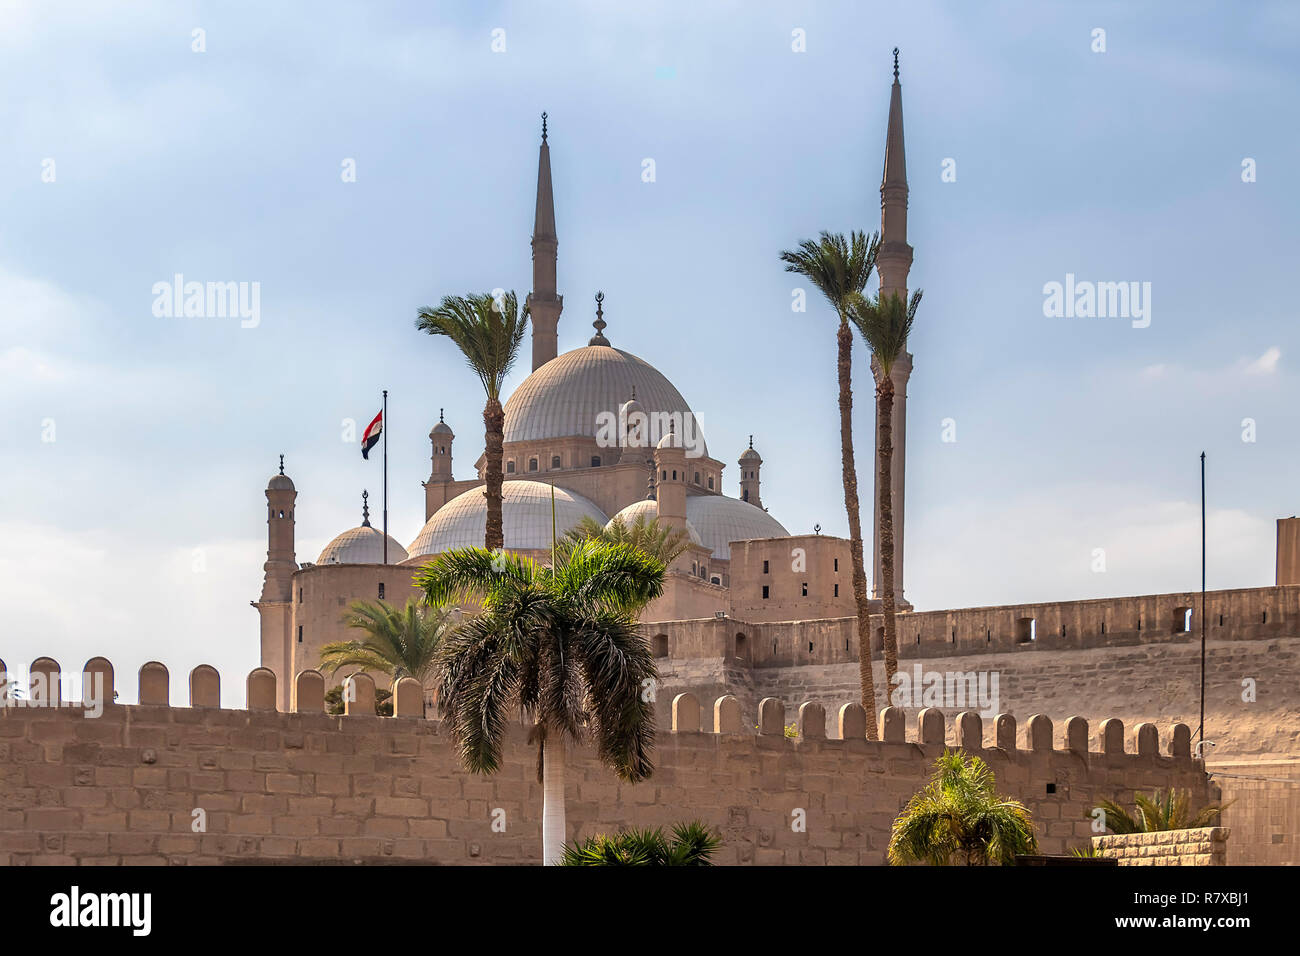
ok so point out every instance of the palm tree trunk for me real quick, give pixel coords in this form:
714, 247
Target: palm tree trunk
494, 423
884, 429
844, 341
553, 832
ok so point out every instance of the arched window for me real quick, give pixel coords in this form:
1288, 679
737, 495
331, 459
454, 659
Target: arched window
710, 482
532, 464
555, 461
510, 467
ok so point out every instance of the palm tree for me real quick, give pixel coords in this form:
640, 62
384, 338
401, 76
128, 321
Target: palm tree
885, 326
692, 844
1163, 810
662, 542
488, 331
840, 270
960, 814
399, 643
561, 644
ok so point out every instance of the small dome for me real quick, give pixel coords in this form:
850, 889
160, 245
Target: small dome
722, 520
525, 512
670, 440
442, 428
750, 455
279, 483
650, 508
363, 545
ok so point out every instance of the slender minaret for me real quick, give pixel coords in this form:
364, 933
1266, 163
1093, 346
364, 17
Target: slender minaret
750, 463
275, 604
893, 262
544, 303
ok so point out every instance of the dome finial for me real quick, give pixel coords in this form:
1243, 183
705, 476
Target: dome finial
441, 420
282, 464
544, 122
751, 441
365, 509
895, 69
599, 337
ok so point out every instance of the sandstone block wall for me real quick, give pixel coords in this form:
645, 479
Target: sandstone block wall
130, 786
1206, 846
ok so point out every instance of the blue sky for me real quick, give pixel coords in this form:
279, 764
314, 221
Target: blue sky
138, 532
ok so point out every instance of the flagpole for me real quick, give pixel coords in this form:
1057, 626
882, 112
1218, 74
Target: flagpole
384, 434
1200, 733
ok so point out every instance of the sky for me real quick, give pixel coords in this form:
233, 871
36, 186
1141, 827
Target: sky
148, 139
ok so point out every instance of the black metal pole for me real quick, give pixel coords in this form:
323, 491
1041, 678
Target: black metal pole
384, 434
1200, 733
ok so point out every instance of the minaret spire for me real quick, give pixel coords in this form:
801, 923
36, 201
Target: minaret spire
893, 262
895, 257
544, 303
365, 509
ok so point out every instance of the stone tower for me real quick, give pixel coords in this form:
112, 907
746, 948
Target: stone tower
435, 489
750, 463
893, 262
670, 487
275, 605
544, 303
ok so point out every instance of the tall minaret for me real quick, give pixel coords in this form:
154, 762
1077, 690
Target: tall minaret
893, 262
275, 604
544, 304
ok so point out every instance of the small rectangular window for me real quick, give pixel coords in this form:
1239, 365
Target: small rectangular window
764, 592
837, 564
837, 590
299, 633
805, 589
765, 567
381, 590
300, 595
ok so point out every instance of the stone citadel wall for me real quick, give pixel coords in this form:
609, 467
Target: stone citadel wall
306, 787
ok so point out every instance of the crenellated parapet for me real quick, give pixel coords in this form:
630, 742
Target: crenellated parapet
90, 781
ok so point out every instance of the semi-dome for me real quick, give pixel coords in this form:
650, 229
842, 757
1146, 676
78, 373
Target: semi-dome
525, 514
565, 396
363, 545
650, 508
720, 521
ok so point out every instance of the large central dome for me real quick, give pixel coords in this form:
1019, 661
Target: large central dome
563, 398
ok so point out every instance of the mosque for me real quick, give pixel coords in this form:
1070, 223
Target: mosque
615, 439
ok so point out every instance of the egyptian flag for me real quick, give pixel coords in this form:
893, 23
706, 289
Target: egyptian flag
373, 431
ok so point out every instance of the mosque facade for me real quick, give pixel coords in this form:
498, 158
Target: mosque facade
606, 436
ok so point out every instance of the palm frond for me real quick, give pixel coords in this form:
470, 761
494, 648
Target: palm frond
838, 268
487, 331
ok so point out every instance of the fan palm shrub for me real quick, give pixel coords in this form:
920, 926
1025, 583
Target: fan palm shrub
1163, 810
839, 269
959, 816
692, 844
662, 542
488, 331
397, 642
560, 646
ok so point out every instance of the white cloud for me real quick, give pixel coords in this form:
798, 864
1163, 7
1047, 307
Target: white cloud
1266, 364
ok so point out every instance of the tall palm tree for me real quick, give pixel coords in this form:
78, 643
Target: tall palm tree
885, 325
840, 269
662, 542
397, 642
561, 644
488, 331
960, 814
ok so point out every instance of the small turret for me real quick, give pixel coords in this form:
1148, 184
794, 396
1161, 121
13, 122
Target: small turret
440, 438
280, 557
750, 463
670, 486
